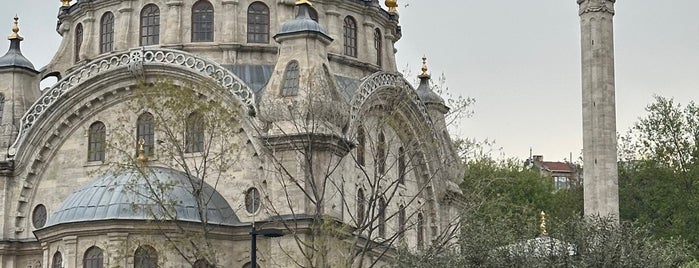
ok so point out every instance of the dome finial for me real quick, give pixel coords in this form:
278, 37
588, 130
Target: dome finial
542, 226
15, 30
142, 158
392, 6
301, 2
424, 73
65, 3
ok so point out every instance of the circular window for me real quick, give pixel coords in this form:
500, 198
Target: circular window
39, 216
252, 200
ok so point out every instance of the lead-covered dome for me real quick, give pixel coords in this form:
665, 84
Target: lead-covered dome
128, 196
302, 24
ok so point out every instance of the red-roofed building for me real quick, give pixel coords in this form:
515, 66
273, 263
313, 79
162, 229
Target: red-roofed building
565, 175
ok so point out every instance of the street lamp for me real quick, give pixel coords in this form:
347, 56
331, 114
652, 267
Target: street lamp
253, 242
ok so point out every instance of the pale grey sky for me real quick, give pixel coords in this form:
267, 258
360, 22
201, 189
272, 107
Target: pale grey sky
520, 60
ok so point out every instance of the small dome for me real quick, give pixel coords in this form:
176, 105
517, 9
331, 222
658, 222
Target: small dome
302, 24
426, 94
13, 57
127, 196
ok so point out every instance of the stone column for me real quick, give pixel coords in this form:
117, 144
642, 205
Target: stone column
87, 50
70, 254
124, 34
389, 58
365, 45
171, 30
334, 30
229, 17
118, 244
601, 194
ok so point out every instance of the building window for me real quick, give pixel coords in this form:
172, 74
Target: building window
361, 206
150, 25
96, 140
194, 134
145, 257
145, 132
39, 216
378, 45
401, 223
382, 217
361, 145
57, 261
78, 40
107, 33
350, 36
420, 231
93, 258
290, 86
560, 183
258, 23
313, 14
401, 165
252, 200
202, 22
381, 153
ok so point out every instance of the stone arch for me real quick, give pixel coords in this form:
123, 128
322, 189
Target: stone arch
134, 61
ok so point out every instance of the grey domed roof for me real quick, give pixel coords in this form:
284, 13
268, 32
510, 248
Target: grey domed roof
426, 94
127, 196
302, 24
14, 57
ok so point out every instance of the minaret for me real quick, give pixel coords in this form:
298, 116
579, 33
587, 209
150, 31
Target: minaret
601, 193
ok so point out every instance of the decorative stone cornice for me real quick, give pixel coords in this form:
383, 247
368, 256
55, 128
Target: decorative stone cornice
593, 6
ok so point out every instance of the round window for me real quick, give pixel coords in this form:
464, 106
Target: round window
252, 200
39, 216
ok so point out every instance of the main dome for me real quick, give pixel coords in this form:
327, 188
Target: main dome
126, 195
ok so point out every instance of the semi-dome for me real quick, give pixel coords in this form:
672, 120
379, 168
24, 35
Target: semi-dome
126, 195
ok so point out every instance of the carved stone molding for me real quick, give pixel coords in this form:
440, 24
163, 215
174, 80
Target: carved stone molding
592, 6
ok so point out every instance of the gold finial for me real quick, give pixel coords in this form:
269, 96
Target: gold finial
301, 2
15, 30
66, 3
542, 226
142, 159
424, 73
392, 6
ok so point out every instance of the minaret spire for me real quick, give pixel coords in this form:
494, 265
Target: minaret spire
15, 31
601, 190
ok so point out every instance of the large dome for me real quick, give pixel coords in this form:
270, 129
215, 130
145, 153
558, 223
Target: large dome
126, 195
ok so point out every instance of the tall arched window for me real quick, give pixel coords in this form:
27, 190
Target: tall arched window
401, 222
150, 25
361, 145
350, 36
57, 261
202, 21
96, 140
420, 231
145, 131
381, 153
93, 258
107, 32
258, 23
145, 257
378, 46
361, 206
194, 134
401, 165
290, 84
78, 40
382, 217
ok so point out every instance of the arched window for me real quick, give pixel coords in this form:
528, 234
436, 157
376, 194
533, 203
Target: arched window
290, 85
39, 216
96, 141
381, 153
350, 36
107, 32
258, 23
145, 131
378, 46
150, 25
252, 200
420, 231
57, 261
194, 134
93, 258
361, 206
202, 21
401, 222
313, 14
382, 217
401, 165
145, 257
361, 145
78, 40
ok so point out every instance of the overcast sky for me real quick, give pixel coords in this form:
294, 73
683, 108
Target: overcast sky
520, 60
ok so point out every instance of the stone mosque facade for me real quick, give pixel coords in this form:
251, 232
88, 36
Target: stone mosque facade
59, 209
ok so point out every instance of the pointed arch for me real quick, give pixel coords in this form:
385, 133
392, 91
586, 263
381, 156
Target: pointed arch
145, 257
93, 258
290, 84
57, 260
